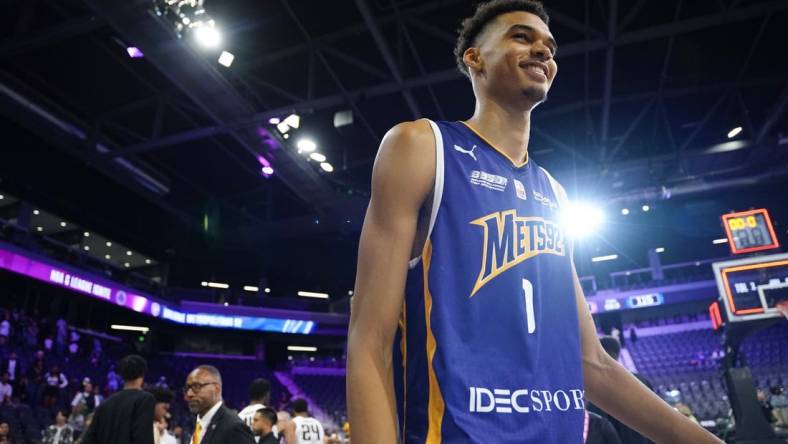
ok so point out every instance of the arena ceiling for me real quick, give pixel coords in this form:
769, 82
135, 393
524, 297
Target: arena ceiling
162, 152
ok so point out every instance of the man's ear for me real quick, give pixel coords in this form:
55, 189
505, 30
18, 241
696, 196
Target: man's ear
473, 59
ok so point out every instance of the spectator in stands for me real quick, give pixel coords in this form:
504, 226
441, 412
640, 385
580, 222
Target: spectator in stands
633, 334
48, 343
780, 405
177, 432
162, 383
164, 437
86, 397
5, 433
24, 393
126, 416
262, 425
11, 366
766, 406
259, 397
161, 410
113, 380
77, 418
31, 334
59, 432
5, 327
6, 389
55, 381
216, 424
628, 436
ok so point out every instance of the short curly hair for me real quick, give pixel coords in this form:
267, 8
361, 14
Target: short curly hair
485, 13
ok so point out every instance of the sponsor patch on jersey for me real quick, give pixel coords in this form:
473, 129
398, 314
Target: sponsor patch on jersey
544, 200
520, 189
487, 180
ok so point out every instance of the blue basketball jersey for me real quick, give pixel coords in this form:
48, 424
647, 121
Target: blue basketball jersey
488, 349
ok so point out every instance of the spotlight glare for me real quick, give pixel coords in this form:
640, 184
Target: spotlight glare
63, 224
286, 136
609, 257
306, 145
203, 284
39, 229
274, 120
127, 265
582, 219
129, 253
327, 167
107, 257
720, 241
2, 197
317, 157
134, 52
283, 127
207, 36
86, 234
734, 132
251, 288
109, 244
293, 121
147, 261
87, 247
268, 170
267, 290
226, 59
625, 211
645, 208
660, 250
36, 212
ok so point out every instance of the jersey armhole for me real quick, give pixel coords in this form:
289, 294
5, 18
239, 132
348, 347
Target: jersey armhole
437, 193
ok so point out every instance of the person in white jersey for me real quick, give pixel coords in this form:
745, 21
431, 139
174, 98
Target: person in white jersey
259, 397
303, 429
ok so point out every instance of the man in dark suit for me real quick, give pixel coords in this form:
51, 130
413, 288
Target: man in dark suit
125, 417
216, 424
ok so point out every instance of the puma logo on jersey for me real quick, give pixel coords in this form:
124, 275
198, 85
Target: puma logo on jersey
468, 152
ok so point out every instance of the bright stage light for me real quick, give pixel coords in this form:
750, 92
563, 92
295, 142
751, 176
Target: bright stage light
582, 219
218, 285
274, 120
226, 59
645, 208
293, 121
207, 36
306, 145
301, 348
660, 250
720, 241
86, 234
609, 257
267, 170
134, 52
734, 132
312, 294
36, 212
251, 288
317, 157
625, 211
327, 167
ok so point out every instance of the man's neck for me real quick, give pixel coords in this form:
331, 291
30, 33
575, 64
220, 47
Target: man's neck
133, 385
509, 130
202, 414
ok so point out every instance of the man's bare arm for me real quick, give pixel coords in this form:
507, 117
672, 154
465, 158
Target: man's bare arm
616, 391
402, 179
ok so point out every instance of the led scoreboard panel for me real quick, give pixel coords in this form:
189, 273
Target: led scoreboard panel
750, 288
749, 231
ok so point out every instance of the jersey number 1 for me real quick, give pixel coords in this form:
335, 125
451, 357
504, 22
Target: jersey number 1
530, 319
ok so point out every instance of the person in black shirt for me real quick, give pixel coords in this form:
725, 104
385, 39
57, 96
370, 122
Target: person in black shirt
263, 424
127, 416
600, 431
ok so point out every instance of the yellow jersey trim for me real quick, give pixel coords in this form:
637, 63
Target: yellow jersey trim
435, 405
498, 150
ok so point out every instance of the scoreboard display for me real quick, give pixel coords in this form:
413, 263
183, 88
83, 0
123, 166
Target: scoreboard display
751, 288
750, 231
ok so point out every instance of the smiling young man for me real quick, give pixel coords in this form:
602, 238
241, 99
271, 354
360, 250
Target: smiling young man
468, 323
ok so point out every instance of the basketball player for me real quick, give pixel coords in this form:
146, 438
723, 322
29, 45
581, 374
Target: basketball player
464, 269
303, 429
259, 397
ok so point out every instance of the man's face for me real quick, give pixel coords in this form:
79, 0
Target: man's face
516, 55
160, 411
260, 426
203, 391
3, 429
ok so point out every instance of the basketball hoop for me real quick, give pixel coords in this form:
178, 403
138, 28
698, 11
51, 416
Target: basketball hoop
782, 306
